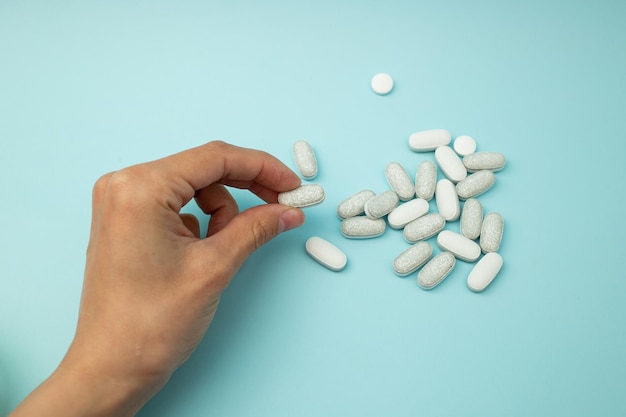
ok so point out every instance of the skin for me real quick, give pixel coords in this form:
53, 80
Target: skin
152, 284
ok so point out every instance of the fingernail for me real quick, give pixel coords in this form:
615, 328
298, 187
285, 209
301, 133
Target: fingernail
290, 219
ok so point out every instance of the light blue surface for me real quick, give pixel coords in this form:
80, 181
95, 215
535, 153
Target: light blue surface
89, 87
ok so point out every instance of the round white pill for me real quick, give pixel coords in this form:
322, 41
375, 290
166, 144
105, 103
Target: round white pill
326, 253
382, 84
464, 145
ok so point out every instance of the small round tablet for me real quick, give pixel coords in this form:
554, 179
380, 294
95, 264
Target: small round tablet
382, 84
464, 145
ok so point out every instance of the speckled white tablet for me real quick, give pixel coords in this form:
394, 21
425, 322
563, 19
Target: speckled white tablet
450, 164
464, 145
326, 253
436, 270
447, 201
424, 227
463, 248
382, 84
381, 205
407, 212
399, 181
471, 218
303, 196
429, 140
304, 156
484, 272
362, 227
493, 161
491, 232
412, 258
426, 180
355, 204
475, 184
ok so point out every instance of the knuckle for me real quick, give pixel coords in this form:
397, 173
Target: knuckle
129, 187
260, 233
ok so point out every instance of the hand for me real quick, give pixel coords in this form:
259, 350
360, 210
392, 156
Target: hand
151, 284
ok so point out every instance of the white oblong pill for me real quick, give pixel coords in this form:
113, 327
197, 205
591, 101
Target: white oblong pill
382, 84
484, 272
491, 232
450, 164
475, 184
303, 196
463, 248
304, 156
424, 227
381, 205
447, 201
464, 145
436, 270
362, 227
412, 259
471, 218
399, 181
407, 212
355, 204
493, 161
429, 140
326, 253
426, 180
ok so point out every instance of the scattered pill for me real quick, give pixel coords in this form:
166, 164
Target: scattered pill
447, 201
362, 227
355, 204
326, 253
407, 212
399, 181
412, 258
303, 196
471, 218
381, 205
484, 272
463, 248
475, 184
491, 232
382, 84
450, 164
464, 145
429, 140
305, 159
493, 161
424, 227
436, 270
426, 180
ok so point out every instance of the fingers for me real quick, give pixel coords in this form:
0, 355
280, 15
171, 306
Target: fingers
99, 189
216, 201
191, 222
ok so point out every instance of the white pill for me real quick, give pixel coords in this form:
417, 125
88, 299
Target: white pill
355, 204
493, 161
436, 270
424, 227
491, 232
447, 201
381, 205
407, 212
382, 84
450, 164
426, 180
464, 145
305, 159
475, 184
484, 272
412, 259
399, 181
471, 218
463, 248
303, 196
326, 253
362, 227
429, 140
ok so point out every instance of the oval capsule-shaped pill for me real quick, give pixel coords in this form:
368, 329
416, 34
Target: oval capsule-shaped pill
412, 258
493, 161
407, 212
471, 218
399, 181
426, 180
463, 248
326, 253
484, 272
362, 227
424, 227
381, 205
436, 270
491, 232
303, 196
475, 184
429, 140
447, 201
450, 164
355, 204
304, 156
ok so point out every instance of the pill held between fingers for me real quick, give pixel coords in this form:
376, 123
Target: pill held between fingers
493, 161
411, 259
461, 247
464, 145
424, 227
429, 140
491, 232
475, 184
447, 201
436, 270
381, 205
407, 212
326, 253
484, 272
303, 196
304, 157
471, 218
382, 84
450, 164
399, 181
355, 204
425, 180
362, 227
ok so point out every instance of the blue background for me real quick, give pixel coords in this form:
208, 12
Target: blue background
89, 87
